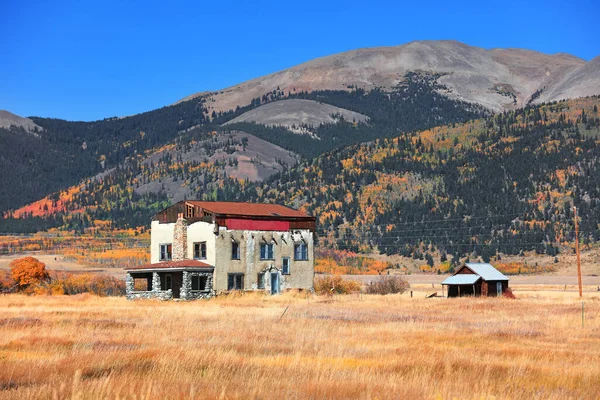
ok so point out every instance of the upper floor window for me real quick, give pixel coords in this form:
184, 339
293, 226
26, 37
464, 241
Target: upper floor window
301, 251
267, 251
285, 265
190, 211
165, 252
200, 251
235, 250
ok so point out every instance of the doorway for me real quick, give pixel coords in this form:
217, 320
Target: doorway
498, 288
274, 283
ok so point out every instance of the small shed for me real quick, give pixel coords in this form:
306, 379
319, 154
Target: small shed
476, 279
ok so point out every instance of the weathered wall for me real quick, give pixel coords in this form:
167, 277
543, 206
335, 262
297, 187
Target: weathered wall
301, 272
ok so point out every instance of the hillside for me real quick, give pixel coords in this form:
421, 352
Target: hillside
502, 184
308, 110
9, 120
92, 148
298, 113
498, 79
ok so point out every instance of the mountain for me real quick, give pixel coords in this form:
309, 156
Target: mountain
284, 118
583, 81
9, 120
501, 184
498, 79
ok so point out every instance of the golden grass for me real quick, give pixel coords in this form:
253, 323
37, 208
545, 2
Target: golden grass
355, 346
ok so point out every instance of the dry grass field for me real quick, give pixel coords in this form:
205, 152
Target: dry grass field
350, 346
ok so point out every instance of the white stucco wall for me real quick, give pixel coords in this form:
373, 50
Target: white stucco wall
159, 234
202, 232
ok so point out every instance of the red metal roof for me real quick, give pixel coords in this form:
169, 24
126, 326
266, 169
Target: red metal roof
249, 209
173, 264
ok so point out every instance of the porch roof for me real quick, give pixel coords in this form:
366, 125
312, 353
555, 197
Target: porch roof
461, 279
182, 264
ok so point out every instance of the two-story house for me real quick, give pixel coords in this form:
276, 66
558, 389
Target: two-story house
200, 248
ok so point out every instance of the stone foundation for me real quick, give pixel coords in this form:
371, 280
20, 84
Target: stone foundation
153, 294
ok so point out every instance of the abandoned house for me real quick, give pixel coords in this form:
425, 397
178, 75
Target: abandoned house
476, 279
200, 248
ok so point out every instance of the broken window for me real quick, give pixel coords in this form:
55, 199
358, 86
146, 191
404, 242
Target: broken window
200, 251
235, 251
260, 282
198, 282
165, 252
190, 211
285, 266
267, 251
235, 281
301, 251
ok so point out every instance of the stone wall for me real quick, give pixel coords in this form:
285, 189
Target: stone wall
186, 288
158, 295
155, 291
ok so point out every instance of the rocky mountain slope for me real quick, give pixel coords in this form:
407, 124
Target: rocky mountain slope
9, 120
294, 113
498, 79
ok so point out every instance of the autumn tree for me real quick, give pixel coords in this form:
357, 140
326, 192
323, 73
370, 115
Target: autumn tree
28, 271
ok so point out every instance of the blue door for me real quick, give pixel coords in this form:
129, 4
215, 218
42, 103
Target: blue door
274, 283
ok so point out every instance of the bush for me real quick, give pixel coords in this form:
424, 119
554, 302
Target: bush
28, 271
335, 284
100, 285
387, 285
7, 285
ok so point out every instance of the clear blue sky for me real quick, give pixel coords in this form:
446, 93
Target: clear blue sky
84, 60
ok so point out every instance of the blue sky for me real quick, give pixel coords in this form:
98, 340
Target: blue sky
83, 60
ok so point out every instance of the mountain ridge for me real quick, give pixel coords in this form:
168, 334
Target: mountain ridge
526, 71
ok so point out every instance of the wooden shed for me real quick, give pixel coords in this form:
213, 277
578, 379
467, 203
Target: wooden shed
476, 279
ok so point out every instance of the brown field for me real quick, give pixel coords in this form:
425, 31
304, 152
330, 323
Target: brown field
352, 346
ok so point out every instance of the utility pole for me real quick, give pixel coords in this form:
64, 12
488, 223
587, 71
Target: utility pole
578, 255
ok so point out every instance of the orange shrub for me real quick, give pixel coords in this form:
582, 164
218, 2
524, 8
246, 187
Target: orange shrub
28, 271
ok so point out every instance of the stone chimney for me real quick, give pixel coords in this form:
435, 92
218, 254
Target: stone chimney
180, 239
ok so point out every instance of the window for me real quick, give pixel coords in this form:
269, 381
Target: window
285, 266
235, 281
260, 282
167, 282
200, 251
235, 251
165, 252
301, 251
267, 251
190, 211
198, 282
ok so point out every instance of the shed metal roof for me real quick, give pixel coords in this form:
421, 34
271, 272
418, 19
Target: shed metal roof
487, 271
461, 279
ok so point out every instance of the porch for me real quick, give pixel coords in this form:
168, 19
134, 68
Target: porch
169, 280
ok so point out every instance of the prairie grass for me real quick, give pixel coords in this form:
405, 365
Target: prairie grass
249, 346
